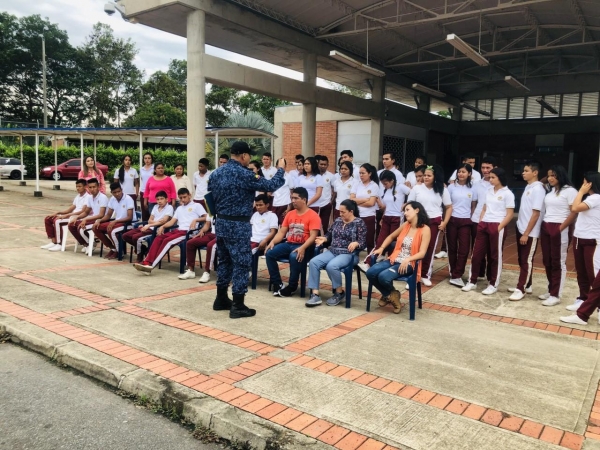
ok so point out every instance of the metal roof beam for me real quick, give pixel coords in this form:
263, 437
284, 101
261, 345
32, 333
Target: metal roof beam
353, 14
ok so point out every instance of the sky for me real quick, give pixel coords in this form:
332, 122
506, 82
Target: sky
156, 48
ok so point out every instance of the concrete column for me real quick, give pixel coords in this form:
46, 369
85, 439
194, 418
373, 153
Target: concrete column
196, 116
309, 110
378, 96
424, 102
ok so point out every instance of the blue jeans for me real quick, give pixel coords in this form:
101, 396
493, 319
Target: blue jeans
384, 273
332, 264
283, 250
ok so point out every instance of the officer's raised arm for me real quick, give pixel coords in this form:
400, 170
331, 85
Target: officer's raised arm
262, 184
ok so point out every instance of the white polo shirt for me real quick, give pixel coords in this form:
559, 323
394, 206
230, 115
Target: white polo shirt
81, 201
325, 199
186, 213
393, 208
362, 191
411, 178
270, 172
475, 176
201, 184
145, 174
496, 204
399, 177
342, 189
120, 208
557, 205
281, 197
310, 183
160, 214
431, 201
128, 184
480, 187
588, 222
262, 224
97, 202
532, 199
462, 196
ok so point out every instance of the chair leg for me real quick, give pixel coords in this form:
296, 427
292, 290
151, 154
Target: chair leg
131, 255
303, 281
101, 248
419, 295
369, 293
348, 276
411, 298
65, 232
122, 248
358, 278
255, 257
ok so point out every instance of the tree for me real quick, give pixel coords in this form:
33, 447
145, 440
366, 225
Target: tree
157, 115
445, 114
348, 90
116, 80
178, 71
264, 105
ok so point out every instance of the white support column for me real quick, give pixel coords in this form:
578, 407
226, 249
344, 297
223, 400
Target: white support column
216, 149
309, 110
37, 192
141, 150
94, 148
56, 157
81, 147
376, 147
196, 116
22, 165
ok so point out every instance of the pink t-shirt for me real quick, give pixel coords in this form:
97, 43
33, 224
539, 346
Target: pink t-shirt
153, 186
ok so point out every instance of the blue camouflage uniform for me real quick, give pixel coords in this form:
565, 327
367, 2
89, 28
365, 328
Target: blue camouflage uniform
233, 187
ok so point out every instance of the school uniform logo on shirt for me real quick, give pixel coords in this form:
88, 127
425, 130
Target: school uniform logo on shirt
529, 192
500, 198
189, 209
369, 191
349, 186
131, 175
262, 221
311, 180
469, 195
326, 180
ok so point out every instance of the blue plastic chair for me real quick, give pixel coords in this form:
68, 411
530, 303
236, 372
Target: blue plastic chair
414, 289
347, 271
303, 271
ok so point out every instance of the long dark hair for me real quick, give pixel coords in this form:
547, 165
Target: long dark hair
350, 167
351, 206
594, 178
372, 171
501, 174
422, 217
469, 169
562, 177
438, 178
122, 168
257, 165
314, 166
388, 175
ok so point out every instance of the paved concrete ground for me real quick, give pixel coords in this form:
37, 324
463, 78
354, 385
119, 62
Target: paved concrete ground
471, 372
46, 408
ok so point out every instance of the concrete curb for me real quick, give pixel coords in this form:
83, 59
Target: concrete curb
227, 421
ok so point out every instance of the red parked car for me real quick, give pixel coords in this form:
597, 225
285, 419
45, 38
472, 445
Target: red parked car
69, 169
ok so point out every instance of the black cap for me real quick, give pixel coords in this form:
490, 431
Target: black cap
241, 147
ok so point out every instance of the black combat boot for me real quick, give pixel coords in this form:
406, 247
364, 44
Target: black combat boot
239, 310
222, 302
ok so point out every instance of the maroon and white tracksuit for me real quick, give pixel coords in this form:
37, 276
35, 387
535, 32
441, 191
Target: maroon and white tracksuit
490, 242
54, 227
161, 245
135, 238
109, 239
389, 224
555, 244
592, 301
525, 254
458, 243
587, 263
208, 240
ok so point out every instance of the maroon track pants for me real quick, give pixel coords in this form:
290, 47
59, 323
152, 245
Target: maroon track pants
370, 222
587, 263
427, 264
587, 308
132, 237
489, 241
279, 211
208, 240
389, 224
485, 267
458, 243
325, 215
525, 254
161, 245
555, 245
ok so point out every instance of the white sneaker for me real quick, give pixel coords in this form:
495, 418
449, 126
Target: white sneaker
551, 301
84, 249
457, 282
188, 275
516, 295
489, 290
426, 281
528, 290
573, 319
205, 278
55, 248
468, 287
544, 296
362, 266
47, 246
441, 255
575, 306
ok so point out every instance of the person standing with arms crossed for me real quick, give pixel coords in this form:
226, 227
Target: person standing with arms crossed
232, 187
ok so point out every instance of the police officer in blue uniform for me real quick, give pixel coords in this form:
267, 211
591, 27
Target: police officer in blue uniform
232, 187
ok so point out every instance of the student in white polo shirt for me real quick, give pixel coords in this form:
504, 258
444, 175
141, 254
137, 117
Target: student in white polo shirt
187, 216
128, 178
312, 182
97, 203
268, 169
392, 196
458, 231
365, 193
200, 180
106, 229
55, 222
146, 171
282, 202
528, 228
467, 159
389, 163
264, 224
206, 237
324, 203
435, 198
411, 177
348, 155
342, 186
497, 212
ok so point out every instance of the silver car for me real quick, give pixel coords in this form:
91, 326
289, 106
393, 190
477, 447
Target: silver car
11, 168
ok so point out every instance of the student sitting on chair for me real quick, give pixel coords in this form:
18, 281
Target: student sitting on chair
412, 240
264, 223
97, 203
161, 214
347, 236
187, 216
55, 222
106, 229
206, 237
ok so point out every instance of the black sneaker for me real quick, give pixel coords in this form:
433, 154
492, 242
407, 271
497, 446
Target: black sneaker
276, 289
240, 312
287, 291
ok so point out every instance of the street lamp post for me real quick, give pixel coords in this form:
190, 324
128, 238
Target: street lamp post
44, 82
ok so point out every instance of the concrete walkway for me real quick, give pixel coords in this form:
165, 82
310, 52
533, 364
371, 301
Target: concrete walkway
472, 372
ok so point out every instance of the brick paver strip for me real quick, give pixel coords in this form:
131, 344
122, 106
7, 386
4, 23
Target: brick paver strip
333, 435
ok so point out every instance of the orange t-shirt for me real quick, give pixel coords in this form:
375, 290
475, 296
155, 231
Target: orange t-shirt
300, 226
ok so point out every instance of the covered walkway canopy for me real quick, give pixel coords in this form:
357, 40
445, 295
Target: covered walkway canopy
120, 133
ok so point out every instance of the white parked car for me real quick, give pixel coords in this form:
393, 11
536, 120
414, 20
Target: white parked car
11, 168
